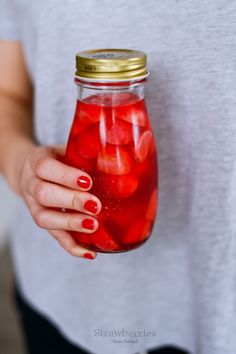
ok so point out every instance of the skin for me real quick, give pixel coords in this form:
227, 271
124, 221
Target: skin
34, 172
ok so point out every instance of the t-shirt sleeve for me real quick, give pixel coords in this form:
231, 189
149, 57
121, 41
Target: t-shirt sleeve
9, 29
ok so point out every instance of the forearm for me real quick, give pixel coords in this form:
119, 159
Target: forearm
16, 137
16, 92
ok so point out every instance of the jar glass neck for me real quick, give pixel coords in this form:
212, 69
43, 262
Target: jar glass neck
116, 90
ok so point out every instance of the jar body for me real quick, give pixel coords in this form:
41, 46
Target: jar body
112, 140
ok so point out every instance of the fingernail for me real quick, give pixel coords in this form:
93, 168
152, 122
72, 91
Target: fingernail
88, 256
84, 182
91, 206
88, 224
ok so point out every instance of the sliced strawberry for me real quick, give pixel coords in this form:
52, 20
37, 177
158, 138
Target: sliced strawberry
117, 186
135, 114
152, 206
153, 148
114, 160
143, 146
142, 168
88, 143
138, 231
103, 240
102, 99
81, 238
122, 186
105, 213
77, 127
72, 158
118, 132
87, 113
87, 165
127, 212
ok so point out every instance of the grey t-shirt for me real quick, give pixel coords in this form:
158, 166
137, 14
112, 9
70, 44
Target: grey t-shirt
180, 287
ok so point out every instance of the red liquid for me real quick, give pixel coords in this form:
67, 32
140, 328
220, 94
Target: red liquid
111, 139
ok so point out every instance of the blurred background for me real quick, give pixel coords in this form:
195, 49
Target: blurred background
11, 341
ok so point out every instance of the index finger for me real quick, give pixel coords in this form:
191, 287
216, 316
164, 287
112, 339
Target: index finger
50, 169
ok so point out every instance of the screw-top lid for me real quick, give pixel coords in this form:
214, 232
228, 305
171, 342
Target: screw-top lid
111, 64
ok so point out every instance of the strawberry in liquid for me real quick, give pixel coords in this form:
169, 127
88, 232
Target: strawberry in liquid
112, 140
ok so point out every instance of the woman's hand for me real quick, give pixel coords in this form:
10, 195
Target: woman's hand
46, 183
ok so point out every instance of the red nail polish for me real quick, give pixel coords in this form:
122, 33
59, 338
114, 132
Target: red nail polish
88, 224
91, 206
84, 182
88, 256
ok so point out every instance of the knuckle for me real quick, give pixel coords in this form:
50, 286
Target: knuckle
64, 174
69, 223
40, 191
40, 165
39, 219
75, 202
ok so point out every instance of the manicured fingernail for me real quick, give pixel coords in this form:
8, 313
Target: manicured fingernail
88, 256
91, 206
88, 224
84, 182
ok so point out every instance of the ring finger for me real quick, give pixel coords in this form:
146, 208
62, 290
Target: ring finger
53, 195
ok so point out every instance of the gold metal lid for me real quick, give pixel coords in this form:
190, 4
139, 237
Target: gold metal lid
111, 64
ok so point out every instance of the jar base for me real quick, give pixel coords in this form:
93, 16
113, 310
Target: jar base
95, 249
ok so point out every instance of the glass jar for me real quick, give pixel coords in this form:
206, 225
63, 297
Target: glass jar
112, 140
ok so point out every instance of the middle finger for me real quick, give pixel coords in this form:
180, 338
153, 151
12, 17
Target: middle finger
53, 195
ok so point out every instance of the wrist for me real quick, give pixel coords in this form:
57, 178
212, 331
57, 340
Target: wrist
17, 149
